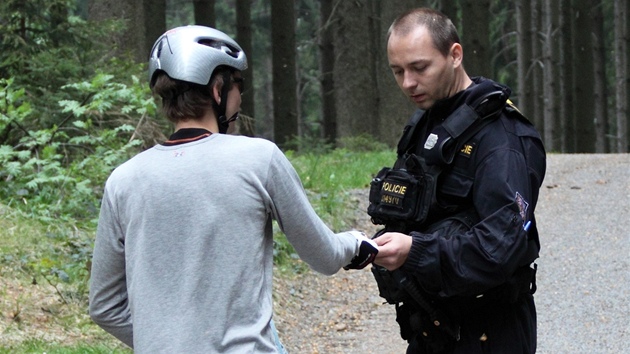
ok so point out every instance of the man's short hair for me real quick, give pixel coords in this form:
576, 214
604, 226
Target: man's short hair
182, 101
440, 27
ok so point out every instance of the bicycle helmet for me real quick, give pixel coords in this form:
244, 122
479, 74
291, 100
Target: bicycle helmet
192, 53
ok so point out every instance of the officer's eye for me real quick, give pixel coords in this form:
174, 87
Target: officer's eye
397, 72
420, 69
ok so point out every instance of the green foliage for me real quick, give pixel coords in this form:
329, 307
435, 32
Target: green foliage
46, 47
363, 143
13, 106
61, 262
37, 346
58, 172
310, 143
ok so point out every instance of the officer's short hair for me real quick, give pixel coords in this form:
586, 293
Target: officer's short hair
441, 28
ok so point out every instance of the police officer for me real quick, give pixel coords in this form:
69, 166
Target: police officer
463, 262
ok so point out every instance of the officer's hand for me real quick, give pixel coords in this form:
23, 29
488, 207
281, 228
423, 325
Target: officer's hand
393, 250
366, 253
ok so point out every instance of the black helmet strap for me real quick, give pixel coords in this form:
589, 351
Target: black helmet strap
220, 108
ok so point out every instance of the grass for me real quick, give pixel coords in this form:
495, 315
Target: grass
44, 266
328, 178
42, 347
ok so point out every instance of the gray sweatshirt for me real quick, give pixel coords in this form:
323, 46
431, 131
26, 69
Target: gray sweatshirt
183, 255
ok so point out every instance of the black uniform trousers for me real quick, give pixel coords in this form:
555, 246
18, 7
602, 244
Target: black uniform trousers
492, 329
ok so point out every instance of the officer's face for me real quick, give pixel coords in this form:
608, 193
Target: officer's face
421, 71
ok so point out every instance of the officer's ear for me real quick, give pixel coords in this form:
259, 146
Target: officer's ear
456, 54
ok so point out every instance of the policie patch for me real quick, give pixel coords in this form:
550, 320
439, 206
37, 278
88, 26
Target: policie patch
393, 193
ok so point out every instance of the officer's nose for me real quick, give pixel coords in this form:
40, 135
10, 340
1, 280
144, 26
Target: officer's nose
409, 81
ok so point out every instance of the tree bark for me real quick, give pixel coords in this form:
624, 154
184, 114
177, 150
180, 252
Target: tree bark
565, 89
627, 44
285, 119
475, 37
394, 107
549, 85
154, 23
244, 39
144, 22
356, 95
449, 8
537, 74
326, 68
583, 76
599, 83
524, 57
621, 73
204, 13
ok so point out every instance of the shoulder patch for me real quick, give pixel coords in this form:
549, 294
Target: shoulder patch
522, 205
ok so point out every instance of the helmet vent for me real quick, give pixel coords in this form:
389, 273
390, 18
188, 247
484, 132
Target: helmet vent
159, 49
224, 47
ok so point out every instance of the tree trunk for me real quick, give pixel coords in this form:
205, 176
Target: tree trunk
58, 20
476, 37
627, 44
621, 73
524, 58
583, 76
285, 120
549, 84
565, 89
204, 13
154, 23
144, 22
394, 108
128, 42
244, 39
599, 83
537, 72
449, 8
356, 95
326, 68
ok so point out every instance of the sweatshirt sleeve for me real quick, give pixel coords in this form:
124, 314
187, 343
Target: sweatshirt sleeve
109, 307
323, 250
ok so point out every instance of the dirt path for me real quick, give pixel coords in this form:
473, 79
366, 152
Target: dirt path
338, 314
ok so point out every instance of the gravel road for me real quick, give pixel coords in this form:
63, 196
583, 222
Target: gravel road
583, 276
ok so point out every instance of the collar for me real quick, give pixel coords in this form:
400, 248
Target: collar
479, 87
187, 135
